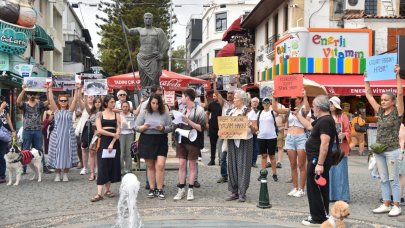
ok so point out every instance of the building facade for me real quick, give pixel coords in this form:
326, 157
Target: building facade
193, 39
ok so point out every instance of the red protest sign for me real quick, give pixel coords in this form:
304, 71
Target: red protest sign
288, 85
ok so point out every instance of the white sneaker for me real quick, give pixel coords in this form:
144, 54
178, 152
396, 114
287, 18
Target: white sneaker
292, 192
299, 193
181, 193
57, 177
382, 209
395, 211
65, 177
190, 194
83, 171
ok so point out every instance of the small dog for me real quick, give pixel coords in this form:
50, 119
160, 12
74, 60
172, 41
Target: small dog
128, 215
338, 212
15, 159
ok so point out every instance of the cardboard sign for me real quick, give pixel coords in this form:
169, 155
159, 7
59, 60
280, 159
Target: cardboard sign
63, 81
233, 127
95, 87
288, 85
381, 67
226, 65
169, 98
401, 55
266, 89
35, 84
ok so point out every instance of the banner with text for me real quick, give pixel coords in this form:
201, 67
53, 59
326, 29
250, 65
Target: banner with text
226, 65
233, 127
288, 85
381, 67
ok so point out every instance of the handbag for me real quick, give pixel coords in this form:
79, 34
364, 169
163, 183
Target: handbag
134, 149
95, 142
359, 128
5, 135
337, 154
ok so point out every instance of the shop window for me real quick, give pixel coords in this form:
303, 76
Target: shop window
402, 8
220, 22
275, 27
370, 7
392, 38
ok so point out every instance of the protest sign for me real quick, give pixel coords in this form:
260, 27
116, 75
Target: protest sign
288, 85
63, 81
226, 65
35, 84
266, 89
95, 87
169, 98
381, 67
233, 127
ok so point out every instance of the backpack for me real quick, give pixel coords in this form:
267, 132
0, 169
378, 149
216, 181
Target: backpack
274, 120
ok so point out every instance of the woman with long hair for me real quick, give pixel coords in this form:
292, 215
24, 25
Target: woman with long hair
390, 113
339, 175
109, 168
153, 145
62, 143
295, 142
88, 132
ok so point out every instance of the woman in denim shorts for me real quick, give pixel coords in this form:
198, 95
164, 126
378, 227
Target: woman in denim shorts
295, 143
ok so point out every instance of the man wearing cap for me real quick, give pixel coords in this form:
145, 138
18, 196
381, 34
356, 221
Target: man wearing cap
122, 96
32, 123
319, 157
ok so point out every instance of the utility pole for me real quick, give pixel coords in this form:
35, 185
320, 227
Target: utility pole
171, 36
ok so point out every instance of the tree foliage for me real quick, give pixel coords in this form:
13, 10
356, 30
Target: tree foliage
179, 62
113, 50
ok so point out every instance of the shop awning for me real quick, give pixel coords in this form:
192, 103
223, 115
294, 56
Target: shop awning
169, 81
232, 30
227, 50
351, 85
40, 36
49, 46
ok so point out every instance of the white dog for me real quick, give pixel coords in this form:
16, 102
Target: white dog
15, 160
128, 215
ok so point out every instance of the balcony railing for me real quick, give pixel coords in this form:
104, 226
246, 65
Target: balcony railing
270, 46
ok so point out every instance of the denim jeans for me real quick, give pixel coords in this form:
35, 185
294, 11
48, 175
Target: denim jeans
33, 139
222, 159
255, 149
3, 150
388, 169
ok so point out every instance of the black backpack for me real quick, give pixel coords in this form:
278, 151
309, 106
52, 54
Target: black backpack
274, 120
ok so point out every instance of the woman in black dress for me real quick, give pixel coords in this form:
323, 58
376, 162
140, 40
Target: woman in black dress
109, 169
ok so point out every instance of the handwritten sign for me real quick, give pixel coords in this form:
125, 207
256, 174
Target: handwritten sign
381, 67
233, 127
226, 65
288, 85
169, 98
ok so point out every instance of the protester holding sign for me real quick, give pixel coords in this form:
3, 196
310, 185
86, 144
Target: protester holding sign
240, 151
390, 113
295, 140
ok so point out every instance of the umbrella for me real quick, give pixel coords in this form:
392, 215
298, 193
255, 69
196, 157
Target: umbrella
313, 89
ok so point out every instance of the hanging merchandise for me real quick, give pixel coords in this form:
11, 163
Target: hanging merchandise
9, 11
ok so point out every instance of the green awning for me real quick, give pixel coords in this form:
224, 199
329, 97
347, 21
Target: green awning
40, 36
49, 46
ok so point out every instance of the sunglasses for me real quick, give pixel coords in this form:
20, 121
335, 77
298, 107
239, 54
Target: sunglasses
122, 95
62, 100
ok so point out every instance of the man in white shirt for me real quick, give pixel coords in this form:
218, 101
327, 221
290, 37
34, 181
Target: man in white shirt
122, 96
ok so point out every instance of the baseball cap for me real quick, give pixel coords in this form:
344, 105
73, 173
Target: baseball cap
320, 180
336, 102
266, 99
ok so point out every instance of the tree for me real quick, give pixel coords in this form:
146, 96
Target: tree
179, 61
113, 51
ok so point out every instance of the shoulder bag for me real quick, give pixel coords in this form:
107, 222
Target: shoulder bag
5, 135
337, 154
359, 128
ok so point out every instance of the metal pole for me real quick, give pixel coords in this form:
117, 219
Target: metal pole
171, 35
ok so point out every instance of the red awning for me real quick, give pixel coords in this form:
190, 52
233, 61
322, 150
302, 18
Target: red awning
227, 50
351, 85
233, 29
169, 81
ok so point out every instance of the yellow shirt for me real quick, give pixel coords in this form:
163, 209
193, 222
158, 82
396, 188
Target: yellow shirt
358, 120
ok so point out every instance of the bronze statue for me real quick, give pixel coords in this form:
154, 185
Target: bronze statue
154, 45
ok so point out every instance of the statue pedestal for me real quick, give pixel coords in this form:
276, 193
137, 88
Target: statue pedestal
171, 162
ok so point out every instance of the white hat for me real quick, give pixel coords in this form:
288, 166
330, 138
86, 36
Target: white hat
336, 102
121, 92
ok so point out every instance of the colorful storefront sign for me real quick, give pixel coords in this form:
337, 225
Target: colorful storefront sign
14, 39
321, 50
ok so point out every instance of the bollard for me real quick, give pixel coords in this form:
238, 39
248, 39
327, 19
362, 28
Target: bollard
264, 201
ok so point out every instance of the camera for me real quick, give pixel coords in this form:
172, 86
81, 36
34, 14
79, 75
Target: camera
292, 104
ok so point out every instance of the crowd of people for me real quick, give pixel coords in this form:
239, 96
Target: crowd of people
97, 134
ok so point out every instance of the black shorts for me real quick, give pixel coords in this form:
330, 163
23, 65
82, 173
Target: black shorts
267, 146
153, 145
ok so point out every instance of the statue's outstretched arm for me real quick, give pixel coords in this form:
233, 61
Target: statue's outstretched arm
133, 31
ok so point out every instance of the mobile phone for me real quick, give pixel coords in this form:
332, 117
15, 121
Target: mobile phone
292, 104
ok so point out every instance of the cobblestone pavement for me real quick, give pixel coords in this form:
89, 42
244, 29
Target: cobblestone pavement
50, 204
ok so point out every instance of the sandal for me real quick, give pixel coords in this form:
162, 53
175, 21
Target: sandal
97, 198
109, 194
92, 177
